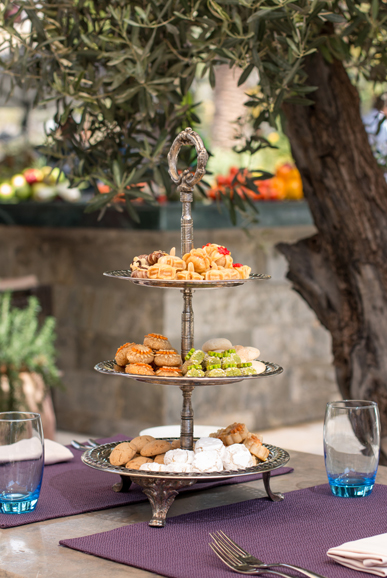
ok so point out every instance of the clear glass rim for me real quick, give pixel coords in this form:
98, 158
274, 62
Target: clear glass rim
352, 404
22, 416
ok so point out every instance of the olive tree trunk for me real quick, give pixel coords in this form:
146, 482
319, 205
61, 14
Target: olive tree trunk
342, 270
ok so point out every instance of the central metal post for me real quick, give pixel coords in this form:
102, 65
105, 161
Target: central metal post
187, 416
187, 323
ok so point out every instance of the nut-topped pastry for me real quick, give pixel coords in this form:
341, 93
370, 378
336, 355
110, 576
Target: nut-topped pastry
139, 369
121, 356
232, 434
169, 358
255, 447
162, 271
155, 256
189, 274
172, 260
199, 259
218, 254
169, 372
156, 341
140, 354
140, 261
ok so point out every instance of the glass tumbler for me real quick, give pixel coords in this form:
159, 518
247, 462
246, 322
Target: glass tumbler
351, 447
21, 461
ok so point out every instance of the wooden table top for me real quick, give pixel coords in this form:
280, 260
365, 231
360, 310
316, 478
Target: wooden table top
33, 551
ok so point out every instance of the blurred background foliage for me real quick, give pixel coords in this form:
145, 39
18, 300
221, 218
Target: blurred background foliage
120, 77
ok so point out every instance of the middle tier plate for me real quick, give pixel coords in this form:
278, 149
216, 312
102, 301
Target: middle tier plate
110, 368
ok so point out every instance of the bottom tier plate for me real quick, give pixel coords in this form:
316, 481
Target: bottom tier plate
98, 458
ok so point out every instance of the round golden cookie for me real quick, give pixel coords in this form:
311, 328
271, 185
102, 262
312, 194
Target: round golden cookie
137, 462
122, 454
122, 352
140, 354
175, 444
155, 448
156, 341
139, 369
140, 441
168, 358
159, 459
169, 372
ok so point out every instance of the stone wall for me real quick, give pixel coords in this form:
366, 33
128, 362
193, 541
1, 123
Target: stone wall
96, 314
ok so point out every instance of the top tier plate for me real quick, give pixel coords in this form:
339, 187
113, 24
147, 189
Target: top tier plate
163, 284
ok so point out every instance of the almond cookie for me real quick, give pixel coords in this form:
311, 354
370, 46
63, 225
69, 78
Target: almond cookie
140, 354
155, 448
169, 372
255, 447
139, 369
136, 463
175, 444
122, 454
121, 354
156, 341
169, 358
159, 459
140, 441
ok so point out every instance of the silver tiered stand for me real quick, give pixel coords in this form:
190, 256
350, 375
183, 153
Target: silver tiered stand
161, 488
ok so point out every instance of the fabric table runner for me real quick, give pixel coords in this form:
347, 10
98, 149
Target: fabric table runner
71, 488
298, 530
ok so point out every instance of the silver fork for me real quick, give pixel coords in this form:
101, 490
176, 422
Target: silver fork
233, 563
244, 558
79, 446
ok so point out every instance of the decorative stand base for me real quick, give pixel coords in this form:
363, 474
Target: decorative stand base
123, 485
161, 493
266, 482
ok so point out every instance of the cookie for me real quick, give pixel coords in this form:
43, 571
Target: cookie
139, 369
156, 341
159, 459
140, 441
155, 448
169, 372
136, 463
139, 353
255, 447
169, 358
247, 353
122, 454
121, 356
175, 444
217, 343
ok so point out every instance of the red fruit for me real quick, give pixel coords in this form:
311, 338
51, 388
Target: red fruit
237, 265
33, 176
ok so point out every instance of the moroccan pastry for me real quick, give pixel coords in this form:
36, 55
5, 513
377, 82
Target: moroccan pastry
219, 254
169, 358
215, 273
230, 274
140, 273
232, 434
135, 463
216, 372
156, 341
172, 260
169, 372
140, 441
255, 447
121, 354
208, 444
159, 459
247, 353
139, 262
175, 444
195, 356
140, 354
139, 369
155, 256
122, 454
177, 468
243, 270
195, 372
217, 343
232, 371
237, 457
258, 366
199, 259
179, 456
155, 448
160, 271
231, 359
152, 467
248, 371
208, 461
211, 360
189, 274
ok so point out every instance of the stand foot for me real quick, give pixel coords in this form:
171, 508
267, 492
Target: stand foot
123, 485
161, 493
266, 482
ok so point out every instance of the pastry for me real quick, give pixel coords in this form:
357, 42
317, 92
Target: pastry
179, 456
248, 371
230, 274
247, 353
159, 459
155, 256
232, 434
237, 457
215, 273
139, 369
140, 273
243, 270
140, 354
216, 372
121, 354
195, 372
122, 454
175, 444
156, 341
168, 358
152, 467
232, 371
208, 461
211, 360
140, 262
258, 366
189, 274
208, 444
140, 441
135, 463
218, 254
169, 372
255, 447
172, 260
195, 356
161, 271
199, 259
177, 468
155, 448
217, 343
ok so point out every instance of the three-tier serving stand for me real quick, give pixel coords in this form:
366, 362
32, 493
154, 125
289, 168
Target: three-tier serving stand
162, 487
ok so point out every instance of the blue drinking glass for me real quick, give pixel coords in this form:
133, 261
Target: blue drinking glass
21, 461
351, 447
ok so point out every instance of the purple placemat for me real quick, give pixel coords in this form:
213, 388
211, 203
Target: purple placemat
298, 530
71, 488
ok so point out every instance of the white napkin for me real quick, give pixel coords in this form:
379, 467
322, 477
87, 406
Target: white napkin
367, 555
31, 449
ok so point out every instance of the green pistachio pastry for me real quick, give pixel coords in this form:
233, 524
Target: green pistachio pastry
197, 357
215, 354
245, 364
248, 371
228, 360
189, 354
233, 372
194, 372
215, 373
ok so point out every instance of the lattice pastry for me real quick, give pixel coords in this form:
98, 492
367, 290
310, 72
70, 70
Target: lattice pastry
189, 274
161, 271
199, 259
243, 270
172, 260
215, 273
230, 274
140, 273
140, 354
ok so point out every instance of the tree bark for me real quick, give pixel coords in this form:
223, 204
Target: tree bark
342, 271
